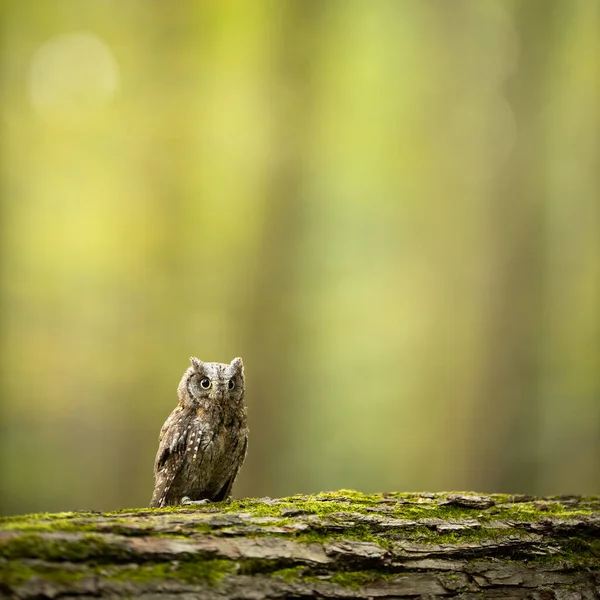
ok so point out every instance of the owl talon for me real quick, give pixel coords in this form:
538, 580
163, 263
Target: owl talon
185, 501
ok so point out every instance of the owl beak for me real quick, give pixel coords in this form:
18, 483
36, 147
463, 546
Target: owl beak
219, 392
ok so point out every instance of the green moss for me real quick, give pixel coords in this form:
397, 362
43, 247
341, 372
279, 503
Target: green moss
321, 504
137, 512
46, 517
117, 526
578, 552
260, 509
359, 533
344, 501
351, 579
45, 548
404, 506
15, 573
289, 575
65, 525
357, 579
353, 496
475, 535
264, 566
30, 526
415, 512
196, 571
45, 522
536, 511
410, 507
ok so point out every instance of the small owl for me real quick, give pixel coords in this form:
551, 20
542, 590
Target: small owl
202, 444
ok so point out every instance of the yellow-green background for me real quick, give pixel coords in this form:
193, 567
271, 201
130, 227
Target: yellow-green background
389, 209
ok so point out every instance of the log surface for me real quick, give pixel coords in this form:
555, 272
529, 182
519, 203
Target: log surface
331, 545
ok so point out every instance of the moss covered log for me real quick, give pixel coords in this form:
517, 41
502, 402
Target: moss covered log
332, 545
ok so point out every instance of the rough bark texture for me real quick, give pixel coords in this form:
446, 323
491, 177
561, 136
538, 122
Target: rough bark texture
332, 545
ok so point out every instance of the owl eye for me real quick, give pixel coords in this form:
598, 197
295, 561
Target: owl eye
205, 383
231, 384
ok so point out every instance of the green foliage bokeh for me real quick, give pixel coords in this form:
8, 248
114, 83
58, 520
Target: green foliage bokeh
388, 209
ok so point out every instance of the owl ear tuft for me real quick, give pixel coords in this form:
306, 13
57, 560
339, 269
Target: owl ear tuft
237, 364
196, 362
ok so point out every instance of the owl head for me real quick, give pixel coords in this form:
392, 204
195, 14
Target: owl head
205, 384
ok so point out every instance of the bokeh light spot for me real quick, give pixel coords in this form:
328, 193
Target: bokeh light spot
71, 76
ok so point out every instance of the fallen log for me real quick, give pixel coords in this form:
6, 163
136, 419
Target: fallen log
331, 545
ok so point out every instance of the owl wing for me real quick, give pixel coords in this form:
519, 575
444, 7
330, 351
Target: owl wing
225, 491
170, 455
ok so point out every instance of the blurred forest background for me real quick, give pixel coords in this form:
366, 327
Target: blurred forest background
390, 210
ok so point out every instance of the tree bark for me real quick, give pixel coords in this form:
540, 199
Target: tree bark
331, 545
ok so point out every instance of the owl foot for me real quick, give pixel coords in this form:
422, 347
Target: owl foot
185, 501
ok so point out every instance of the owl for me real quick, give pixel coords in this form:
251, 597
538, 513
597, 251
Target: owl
203, 443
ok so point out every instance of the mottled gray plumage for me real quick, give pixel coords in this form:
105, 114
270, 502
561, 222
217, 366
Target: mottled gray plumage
202, 444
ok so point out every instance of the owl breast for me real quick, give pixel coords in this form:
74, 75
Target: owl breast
212, 457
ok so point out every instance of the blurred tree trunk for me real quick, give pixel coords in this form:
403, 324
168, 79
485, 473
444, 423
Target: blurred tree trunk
270, 317
169, 69
507, 424
4, 247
